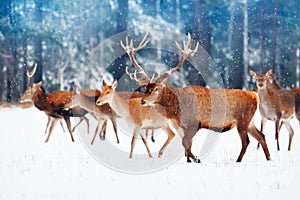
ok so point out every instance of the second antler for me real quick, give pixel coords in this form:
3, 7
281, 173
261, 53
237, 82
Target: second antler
130, 50
139, 75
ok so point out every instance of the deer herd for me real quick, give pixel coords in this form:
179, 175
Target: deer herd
183, 111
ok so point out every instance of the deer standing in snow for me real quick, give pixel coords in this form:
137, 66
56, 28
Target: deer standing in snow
86, 99
192, 108
127, 105
52, 104
275, 104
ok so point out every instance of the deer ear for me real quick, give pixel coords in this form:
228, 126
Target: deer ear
252, 73
114, 85
76, 89
164, 81
272, 77
269, 72
104, 83
39, 83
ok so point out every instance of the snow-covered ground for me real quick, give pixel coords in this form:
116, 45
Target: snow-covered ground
60, 169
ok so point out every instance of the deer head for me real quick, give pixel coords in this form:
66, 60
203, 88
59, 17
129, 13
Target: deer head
107, 93
263, 79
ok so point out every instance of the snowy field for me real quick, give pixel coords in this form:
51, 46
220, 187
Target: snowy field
60, 169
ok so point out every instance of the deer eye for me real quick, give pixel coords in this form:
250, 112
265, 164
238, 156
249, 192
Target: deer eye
155, 89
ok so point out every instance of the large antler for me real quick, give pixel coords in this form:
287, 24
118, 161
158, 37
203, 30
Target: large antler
185, 53
30, 74
139, 75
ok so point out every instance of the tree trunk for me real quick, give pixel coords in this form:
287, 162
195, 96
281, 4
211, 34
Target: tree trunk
12, 92
262, 67
274, 47
122, 20
38, 42
202, 33
236, 71
245, 49
229, 62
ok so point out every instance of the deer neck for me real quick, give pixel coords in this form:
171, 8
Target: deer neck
120, 105
168, 103
40, 98
263, 94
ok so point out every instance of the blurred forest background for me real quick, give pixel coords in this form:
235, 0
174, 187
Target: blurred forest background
60, 35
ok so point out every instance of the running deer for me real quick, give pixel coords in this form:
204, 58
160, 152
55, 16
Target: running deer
127, 105
52, 104
193, 107
86, 99
276, 104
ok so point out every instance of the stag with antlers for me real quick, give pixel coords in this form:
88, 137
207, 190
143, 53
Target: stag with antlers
194, 107
52, 104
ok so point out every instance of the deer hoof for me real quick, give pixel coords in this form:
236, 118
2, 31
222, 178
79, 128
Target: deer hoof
102, 137
196, 160
160, 154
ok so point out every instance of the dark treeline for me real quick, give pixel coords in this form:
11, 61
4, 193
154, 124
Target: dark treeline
61, 35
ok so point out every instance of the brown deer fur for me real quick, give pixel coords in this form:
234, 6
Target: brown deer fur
52, 104
276, 104
195, 107
127, 105
192, 108
87, 100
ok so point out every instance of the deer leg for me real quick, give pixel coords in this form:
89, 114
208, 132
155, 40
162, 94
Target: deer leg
96, 131
68, 122
102, 133
260, 137
81, 119
152, 135
187, 144
146, 145
171, 135
146, 131
277, 123
114, 123
53, 123
48, 122
262, 125
242, 129
62, 126
291, 132
87, 121
134, 137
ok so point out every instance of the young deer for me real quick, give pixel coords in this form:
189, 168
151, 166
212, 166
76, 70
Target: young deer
127, 105
52, 104
275, 104
194, 107
86, 99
